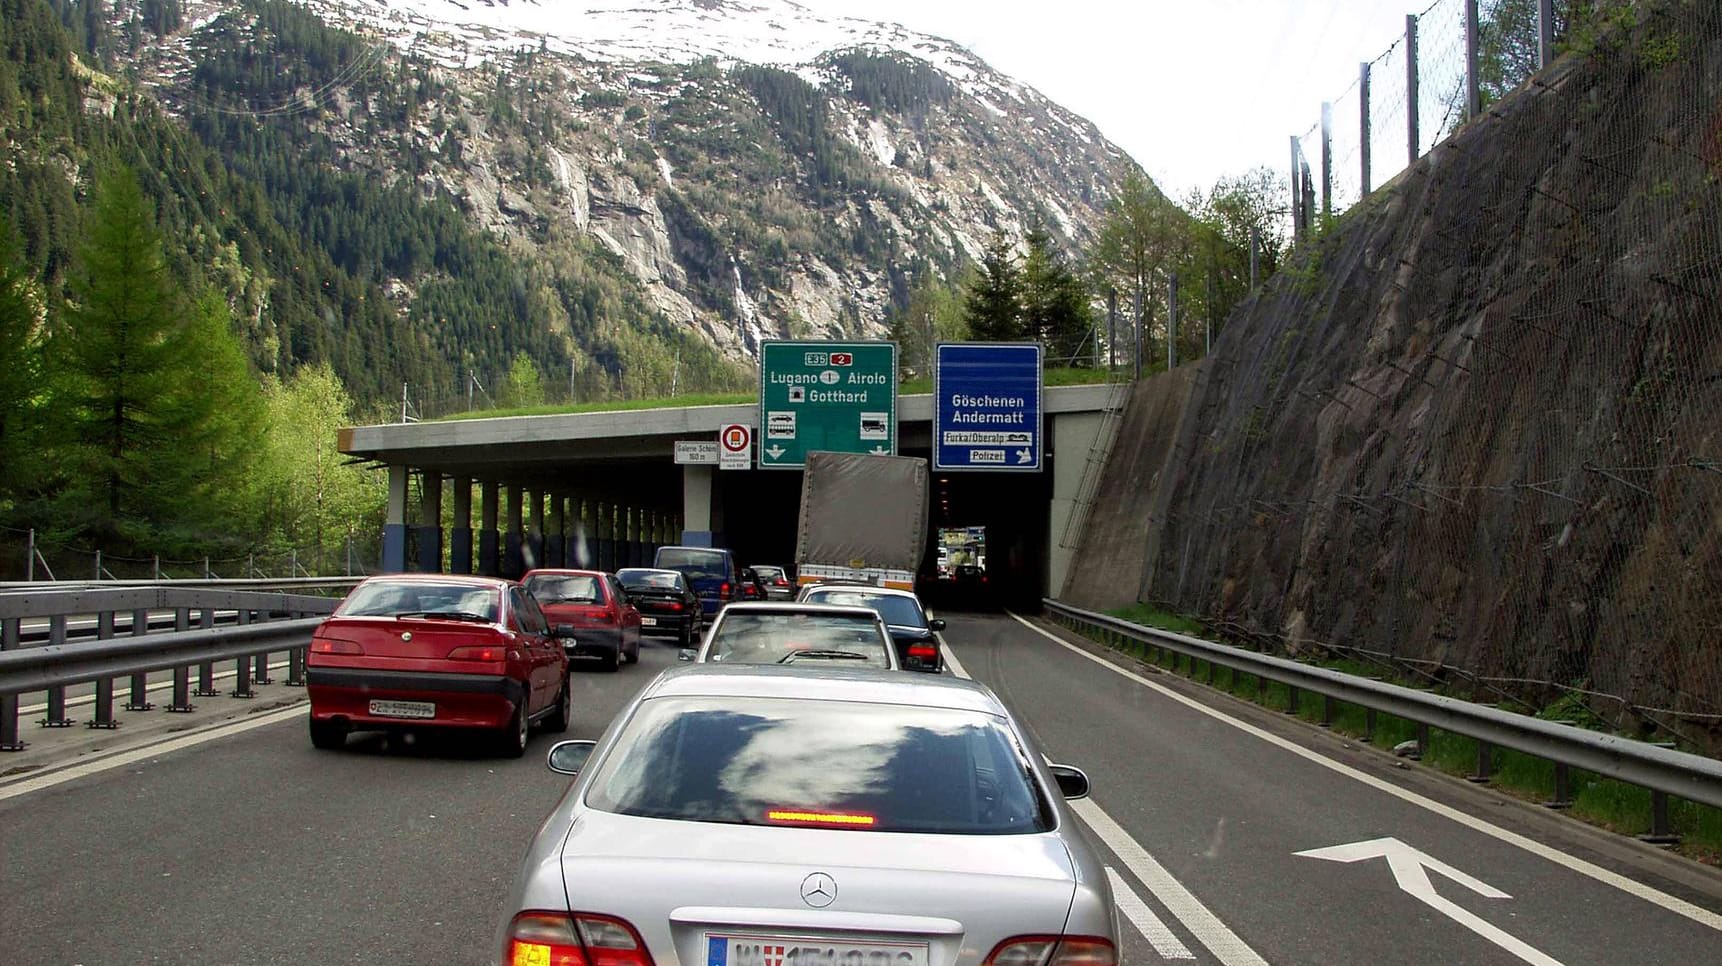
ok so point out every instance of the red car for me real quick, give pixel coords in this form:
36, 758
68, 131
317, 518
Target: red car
606, 623
433, 651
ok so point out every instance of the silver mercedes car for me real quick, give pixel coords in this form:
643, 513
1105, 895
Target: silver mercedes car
810, 815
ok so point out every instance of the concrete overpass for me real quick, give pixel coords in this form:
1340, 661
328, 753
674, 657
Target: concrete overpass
602, 489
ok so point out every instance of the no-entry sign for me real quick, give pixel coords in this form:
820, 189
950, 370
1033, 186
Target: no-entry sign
735, 447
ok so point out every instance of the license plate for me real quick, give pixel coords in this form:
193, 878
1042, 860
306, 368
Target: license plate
792, 951
403, 709
648, 622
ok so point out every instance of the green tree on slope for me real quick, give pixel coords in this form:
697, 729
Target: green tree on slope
20, 370
993, 306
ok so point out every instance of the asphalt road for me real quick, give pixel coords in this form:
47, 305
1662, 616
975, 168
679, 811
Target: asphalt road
254, 848
1225, 811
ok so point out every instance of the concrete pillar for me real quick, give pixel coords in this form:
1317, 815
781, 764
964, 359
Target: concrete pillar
460, 528
430, 523
513, 541
534, 529
697, 485
1073, 435
555, 544
585, 532
395, 523
487, 557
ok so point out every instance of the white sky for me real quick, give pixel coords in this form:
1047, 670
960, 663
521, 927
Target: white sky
1192, 89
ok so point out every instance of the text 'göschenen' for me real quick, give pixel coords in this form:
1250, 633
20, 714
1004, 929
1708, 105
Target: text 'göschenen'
962, 401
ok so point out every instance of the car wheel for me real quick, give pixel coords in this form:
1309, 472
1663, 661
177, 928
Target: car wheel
685, 636
564, 714
634, 653
610, 661
511, 741
328, 735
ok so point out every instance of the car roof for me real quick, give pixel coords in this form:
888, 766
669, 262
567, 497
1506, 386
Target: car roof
862, 588
469, 580
877, 686
794, 607
706, 549
650, 570
562, 572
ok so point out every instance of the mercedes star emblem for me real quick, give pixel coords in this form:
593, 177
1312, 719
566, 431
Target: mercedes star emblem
818, 890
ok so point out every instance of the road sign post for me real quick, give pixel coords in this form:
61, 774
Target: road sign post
987, 407
834, 396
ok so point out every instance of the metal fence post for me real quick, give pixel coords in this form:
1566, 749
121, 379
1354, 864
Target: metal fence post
1473, 90
140, 682
30, 558
155, 566
1296, 191
1363, 122
9, 740
104, 686
56, 714
1171, 321
98, 574
1414, 139
1545, 32
1326, 158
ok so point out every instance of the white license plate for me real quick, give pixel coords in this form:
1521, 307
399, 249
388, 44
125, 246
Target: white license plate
802, 951
403, 709
648, 622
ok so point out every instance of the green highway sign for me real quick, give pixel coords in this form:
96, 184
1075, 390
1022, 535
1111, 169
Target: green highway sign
837, 396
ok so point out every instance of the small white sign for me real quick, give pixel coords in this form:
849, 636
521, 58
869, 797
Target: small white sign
780, 424
797, 394
696, 452
875, 426
986, 456
735, 445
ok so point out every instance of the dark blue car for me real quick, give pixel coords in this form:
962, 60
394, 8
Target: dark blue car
711, 573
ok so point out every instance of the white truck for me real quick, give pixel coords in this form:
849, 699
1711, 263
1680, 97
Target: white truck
863, 519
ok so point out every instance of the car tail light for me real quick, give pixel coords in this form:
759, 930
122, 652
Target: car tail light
580, 939
478, 652
925, 652
1054, 951
325, 645
675, 605
780, 582
724, 590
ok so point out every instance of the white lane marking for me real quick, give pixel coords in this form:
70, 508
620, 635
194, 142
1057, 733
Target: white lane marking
1143, 918
1633, 887
1226, 945
119, 692
216, 733
1411, 867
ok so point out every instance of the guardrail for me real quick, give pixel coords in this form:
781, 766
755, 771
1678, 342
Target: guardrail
213, 583
1662, 770
261, 623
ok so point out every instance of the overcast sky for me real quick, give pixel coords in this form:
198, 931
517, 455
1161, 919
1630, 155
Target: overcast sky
1192, 89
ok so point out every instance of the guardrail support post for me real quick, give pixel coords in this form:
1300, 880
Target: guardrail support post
206, 681
1327, 711
1294, 702
1485, 764
9, 740
1661, 830
1210, 675
1563, 788
1262, 688
181, 691
242, 679
56, 715
260, 673
140, 682
105, 686
296, 668
1422, 741
1369, 724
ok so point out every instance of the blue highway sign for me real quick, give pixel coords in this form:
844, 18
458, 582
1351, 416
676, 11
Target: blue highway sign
986, 412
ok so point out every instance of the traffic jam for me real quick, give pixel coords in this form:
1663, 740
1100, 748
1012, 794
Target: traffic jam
806, 784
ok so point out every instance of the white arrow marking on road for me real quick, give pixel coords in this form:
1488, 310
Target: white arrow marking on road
1411, 869
775, 451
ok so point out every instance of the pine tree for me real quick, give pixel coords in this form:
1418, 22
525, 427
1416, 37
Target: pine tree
1055, 303
993, 306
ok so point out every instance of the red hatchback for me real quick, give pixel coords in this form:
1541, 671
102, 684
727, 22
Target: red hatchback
435, 651
606, 623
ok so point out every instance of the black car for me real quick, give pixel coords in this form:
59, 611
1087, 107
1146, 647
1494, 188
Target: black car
914, 635
667, 605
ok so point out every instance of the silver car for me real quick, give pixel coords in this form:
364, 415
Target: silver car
792, 633
806, 816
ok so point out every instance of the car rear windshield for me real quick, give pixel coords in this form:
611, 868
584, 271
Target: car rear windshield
902, 611
649, 580
769, 573
821, 764
381, 598
788, 638
565, 588
694, 563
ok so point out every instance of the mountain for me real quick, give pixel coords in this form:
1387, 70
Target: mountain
588, 184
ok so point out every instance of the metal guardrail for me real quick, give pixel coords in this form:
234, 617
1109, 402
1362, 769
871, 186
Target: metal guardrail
1662, 770
214, 583
261, 623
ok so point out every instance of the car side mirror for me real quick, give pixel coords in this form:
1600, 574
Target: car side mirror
936, 624
687, 654
568, 757
563, 631
1072, 781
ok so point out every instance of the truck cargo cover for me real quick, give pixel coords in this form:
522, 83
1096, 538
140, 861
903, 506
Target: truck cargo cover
860, 510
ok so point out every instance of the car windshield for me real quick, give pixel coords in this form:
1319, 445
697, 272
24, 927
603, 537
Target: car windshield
694, 563
894, 608
649, 579
774, 637
768, 573
866, 767
384, 598
565, 588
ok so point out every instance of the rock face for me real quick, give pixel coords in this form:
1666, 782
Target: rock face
1476, 424
761, 171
